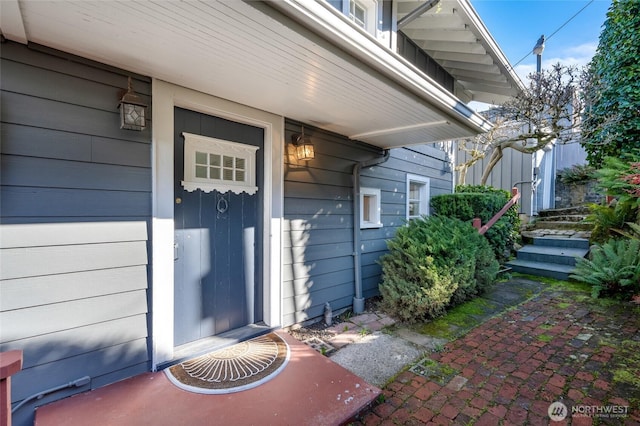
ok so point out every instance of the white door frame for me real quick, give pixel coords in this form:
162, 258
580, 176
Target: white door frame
165, 97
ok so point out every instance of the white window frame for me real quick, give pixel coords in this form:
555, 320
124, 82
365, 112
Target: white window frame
371, 198
371, 13
212, 146
425, 183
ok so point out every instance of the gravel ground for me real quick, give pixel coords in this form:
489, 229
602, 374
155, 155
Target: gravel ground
320, 329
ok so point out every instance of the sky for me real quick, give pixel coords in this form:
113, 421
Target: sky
516, 26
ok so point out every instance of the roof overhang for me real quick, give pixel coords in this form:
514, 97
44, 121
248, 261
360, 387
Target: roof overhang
299, 59
453, 34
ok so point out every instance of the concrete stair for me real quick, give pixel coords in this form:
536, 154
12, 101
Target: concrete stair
559, 223
550, 257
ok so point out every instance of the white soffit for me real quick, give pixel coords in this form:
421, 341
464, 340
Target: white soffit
454, 36
252, 54
11, 21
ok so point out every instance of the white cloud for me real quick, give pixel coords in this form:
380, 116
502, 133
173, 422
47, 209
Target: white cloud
586, 50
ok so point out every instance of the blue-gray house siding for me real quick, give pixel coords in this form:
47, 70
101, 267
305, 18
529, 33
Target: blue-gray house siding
75, 199
391, 178
318, 246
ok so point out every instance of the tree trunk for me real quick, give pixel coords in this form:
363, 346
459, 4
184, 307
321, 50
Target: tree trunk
495, 158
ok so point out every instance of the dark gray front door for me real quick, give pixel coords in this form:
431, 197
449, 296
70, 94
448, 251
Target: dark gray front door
218, 237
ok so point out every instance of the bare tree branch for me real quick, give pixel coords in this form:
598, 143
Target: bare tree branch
548, 111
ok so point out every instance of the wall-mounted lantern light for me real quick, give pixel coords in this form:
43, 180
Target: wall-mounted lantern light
304, 147
133, 112
447, 166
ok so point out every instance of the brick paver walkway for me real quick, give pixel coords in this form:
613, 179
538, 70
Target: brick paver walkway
559, 346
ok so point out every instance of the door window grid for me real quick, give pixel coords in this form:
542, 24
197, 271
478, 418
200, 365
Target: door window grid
217, 167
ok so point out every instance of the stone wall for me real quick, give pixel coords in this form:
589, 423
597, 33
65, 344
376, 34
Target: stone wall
575, 194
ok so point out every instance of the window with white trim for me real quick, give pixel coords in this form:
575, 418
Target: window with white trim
358, 14
417, 196
363, 12
215, 164
370, 206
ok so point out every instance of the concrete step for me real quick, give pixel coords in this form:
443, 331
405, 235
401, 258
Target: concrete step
576, 210
541, 269
562, 224
563, 218
529, 235
576, 243
550, 254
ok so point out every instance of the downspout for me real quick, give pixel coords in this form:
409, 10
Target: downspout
358, 300
416, 13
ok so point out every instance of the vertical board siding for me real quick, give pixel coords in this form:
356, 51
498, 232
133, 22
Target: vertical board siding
318, 213
76, 205
514, 167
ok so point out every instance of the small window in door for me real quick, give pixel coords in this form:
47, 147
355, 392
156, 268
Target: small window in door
214, 164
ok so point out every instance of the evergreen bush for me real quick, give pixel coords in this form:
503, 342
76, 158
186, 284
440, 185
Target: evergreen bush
433, 263
619, 178
471, 201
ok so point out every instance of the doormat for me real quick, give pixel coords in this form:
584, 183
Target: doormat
242, 366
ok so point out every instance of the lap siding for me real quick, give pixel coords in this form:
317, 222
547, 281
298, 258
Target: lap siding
76, 207
318, 219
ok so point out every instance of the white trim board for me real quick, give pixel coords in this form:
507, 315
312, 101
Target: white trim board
165, 97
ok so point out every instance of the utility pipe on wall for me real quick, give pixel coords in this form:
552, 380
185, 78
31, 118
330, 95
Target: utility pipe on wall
358, 300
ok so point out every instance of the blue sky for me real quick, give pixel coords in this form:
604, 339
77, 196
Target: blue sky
516, 25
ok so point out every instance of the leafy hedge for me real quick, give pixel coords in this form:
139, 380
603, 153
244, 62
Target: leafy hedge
611, 124
484, 202
434, 262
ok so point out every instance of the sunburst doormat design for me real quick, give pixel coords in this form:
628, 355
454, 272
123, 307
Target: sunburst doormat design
239, 367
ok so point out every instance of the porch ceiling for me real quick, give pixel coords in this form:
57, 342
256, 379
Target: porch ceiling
300, 60
452, 33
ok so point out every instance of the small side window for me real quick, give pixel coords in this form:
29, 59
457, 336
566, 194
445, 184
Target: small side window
417, 196
370, 208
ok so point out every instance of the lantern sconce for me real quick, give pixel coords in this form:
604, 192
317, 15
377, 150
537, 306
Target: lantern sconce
447, 166
133, 112
303, 146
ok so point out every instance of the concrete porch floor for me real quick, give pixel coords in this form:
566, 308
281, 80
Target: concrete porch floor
311, 390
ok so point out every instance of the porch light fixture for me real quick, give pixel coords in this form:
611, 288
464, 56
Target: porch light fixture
447, 167
133, 111
304, 147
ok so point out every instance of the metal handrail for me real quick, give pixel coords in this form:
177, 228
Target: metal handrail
477, 222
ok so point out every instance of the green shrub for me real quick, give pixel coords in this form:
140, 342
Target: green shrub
433, 263
619, 178
613, 270
483, 202
608, 220
576, 173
